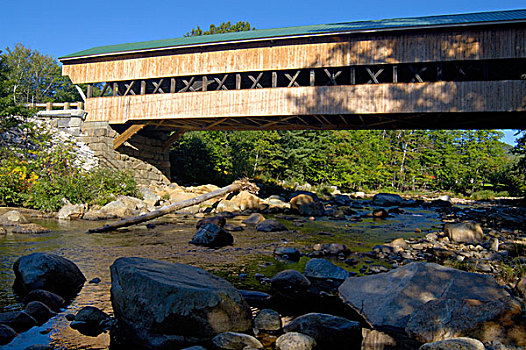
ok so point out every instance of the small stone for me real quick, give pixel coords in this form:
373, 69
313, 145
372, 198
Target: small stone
90, 321
464, 232
70, 317
324, 269
211, 235
295, 341
290, 281
454, 344
233, 228
380, 213
19, 321
236, 341
494, 244
270, 225
218, 220
254, 219
287, 253
267, 320
95, 280
53, 301
30, 229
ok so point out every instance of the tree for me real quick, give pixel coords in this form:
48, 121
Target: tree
35, 77
225, 27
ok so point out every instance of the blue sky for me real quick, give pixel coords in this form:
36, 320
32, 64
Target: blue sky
59, 27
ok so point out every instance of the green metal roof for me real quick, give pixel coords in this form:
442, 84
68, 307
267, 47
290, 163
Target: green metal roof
310, 30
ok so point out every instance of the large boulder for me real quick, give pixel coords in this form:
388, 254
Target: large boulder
6, 334
90, 321
486, 321
324, 269
13, 217
148, 197
17, 320
454, 344
165, 305
329, 331
50, 272
211, 235
53, 301
241, 202
236, 341
389, 299
295, 341
464, 232
39, 311
71, 212
301, 199
388, 200
270, 225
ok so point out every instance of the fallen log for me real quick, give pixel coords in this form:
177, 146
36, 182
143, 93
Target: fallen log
236, 186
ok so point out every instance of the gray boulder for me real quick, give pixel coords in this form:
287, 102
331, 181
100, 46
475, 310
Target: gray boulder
163, 305
6, 334
295, 341
217, 220
50, 272
13, 217
148, 197
39, 311
71, 212
211, 235
328, 330
464, 232
18, 320
236, 341
287, 253
324, 269
486, 321
267, 320
30, 229
312, 209
53, 301
270, 225
388, 299
3, 231
254, 219
454, 344
387, 200
290, 281
90, 321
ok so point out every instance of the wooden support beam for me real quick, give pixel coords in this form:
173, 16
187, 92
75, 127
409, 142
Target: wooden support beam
221, 83
352, 72
129, 88
217, 122
274, 79
395, 74
204, 85
125, 136
343, 119
282, 120
374, 76
416, 73
188, 85
158, 86
292, 79
255, 81
238, 81
143, 87
115, 89
171, 140
439, 71
104, 89
332, 76
172, 85
89, 93
312, 77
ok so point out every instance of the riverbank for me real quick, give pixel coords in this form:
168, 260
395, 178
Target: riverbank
251, 262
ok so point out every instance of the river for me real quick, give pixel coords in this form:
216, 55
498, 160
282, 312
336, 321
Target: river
168, 240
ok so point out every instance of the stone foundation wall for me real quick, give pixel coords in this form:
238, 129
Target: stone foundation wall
142, 155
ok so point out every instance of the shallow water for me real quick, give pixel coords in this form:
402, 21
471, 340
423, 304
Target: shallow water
251, 253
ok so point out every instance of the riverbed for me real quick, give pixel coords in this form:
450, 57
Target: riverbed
251, 253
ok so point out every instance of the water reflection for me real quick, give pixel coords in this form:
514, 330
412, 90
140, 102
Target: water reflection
94, 253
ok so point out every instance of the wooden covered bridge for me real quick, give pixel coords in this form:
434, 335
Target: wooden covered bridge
453, 71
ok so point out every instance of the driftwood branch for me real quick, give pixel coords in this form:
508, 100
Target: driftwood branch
236, 186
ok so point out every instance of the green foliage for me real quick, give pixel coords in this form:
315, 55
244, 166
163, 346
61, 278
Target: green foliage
225, 27
464, 162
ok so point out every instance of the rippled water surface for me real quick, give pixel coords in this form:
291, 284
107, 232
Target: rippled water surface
251, 253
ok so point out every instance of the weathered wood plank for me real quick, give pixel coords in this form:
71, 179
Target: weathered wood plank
127, 134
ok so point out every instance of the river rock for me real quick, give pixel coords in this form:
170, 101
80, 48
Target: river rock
53, 301
3, 231
6, 334
244, 200
19, 321
254, 219
329, 331
148, 197
90, 321
376, 340
216, 220
13, 217
380, 213
399, 244
211, 235
71, 212
388, 299
290, 281
464, 232
287, 253
486, 321
30, 229
387, 200
295, 341
332, 248
39, 311
50, 272
162, 305
324, 269
267, 320
270, 225
312, 209
301, 199
116, 208
236, 341
454, 344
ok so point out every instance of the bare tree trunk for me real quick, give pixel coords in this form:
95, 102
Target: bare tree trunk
236, 186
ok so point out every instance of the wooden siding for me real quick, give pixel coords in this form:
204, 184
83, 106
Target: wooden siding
423, 46
484, 96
